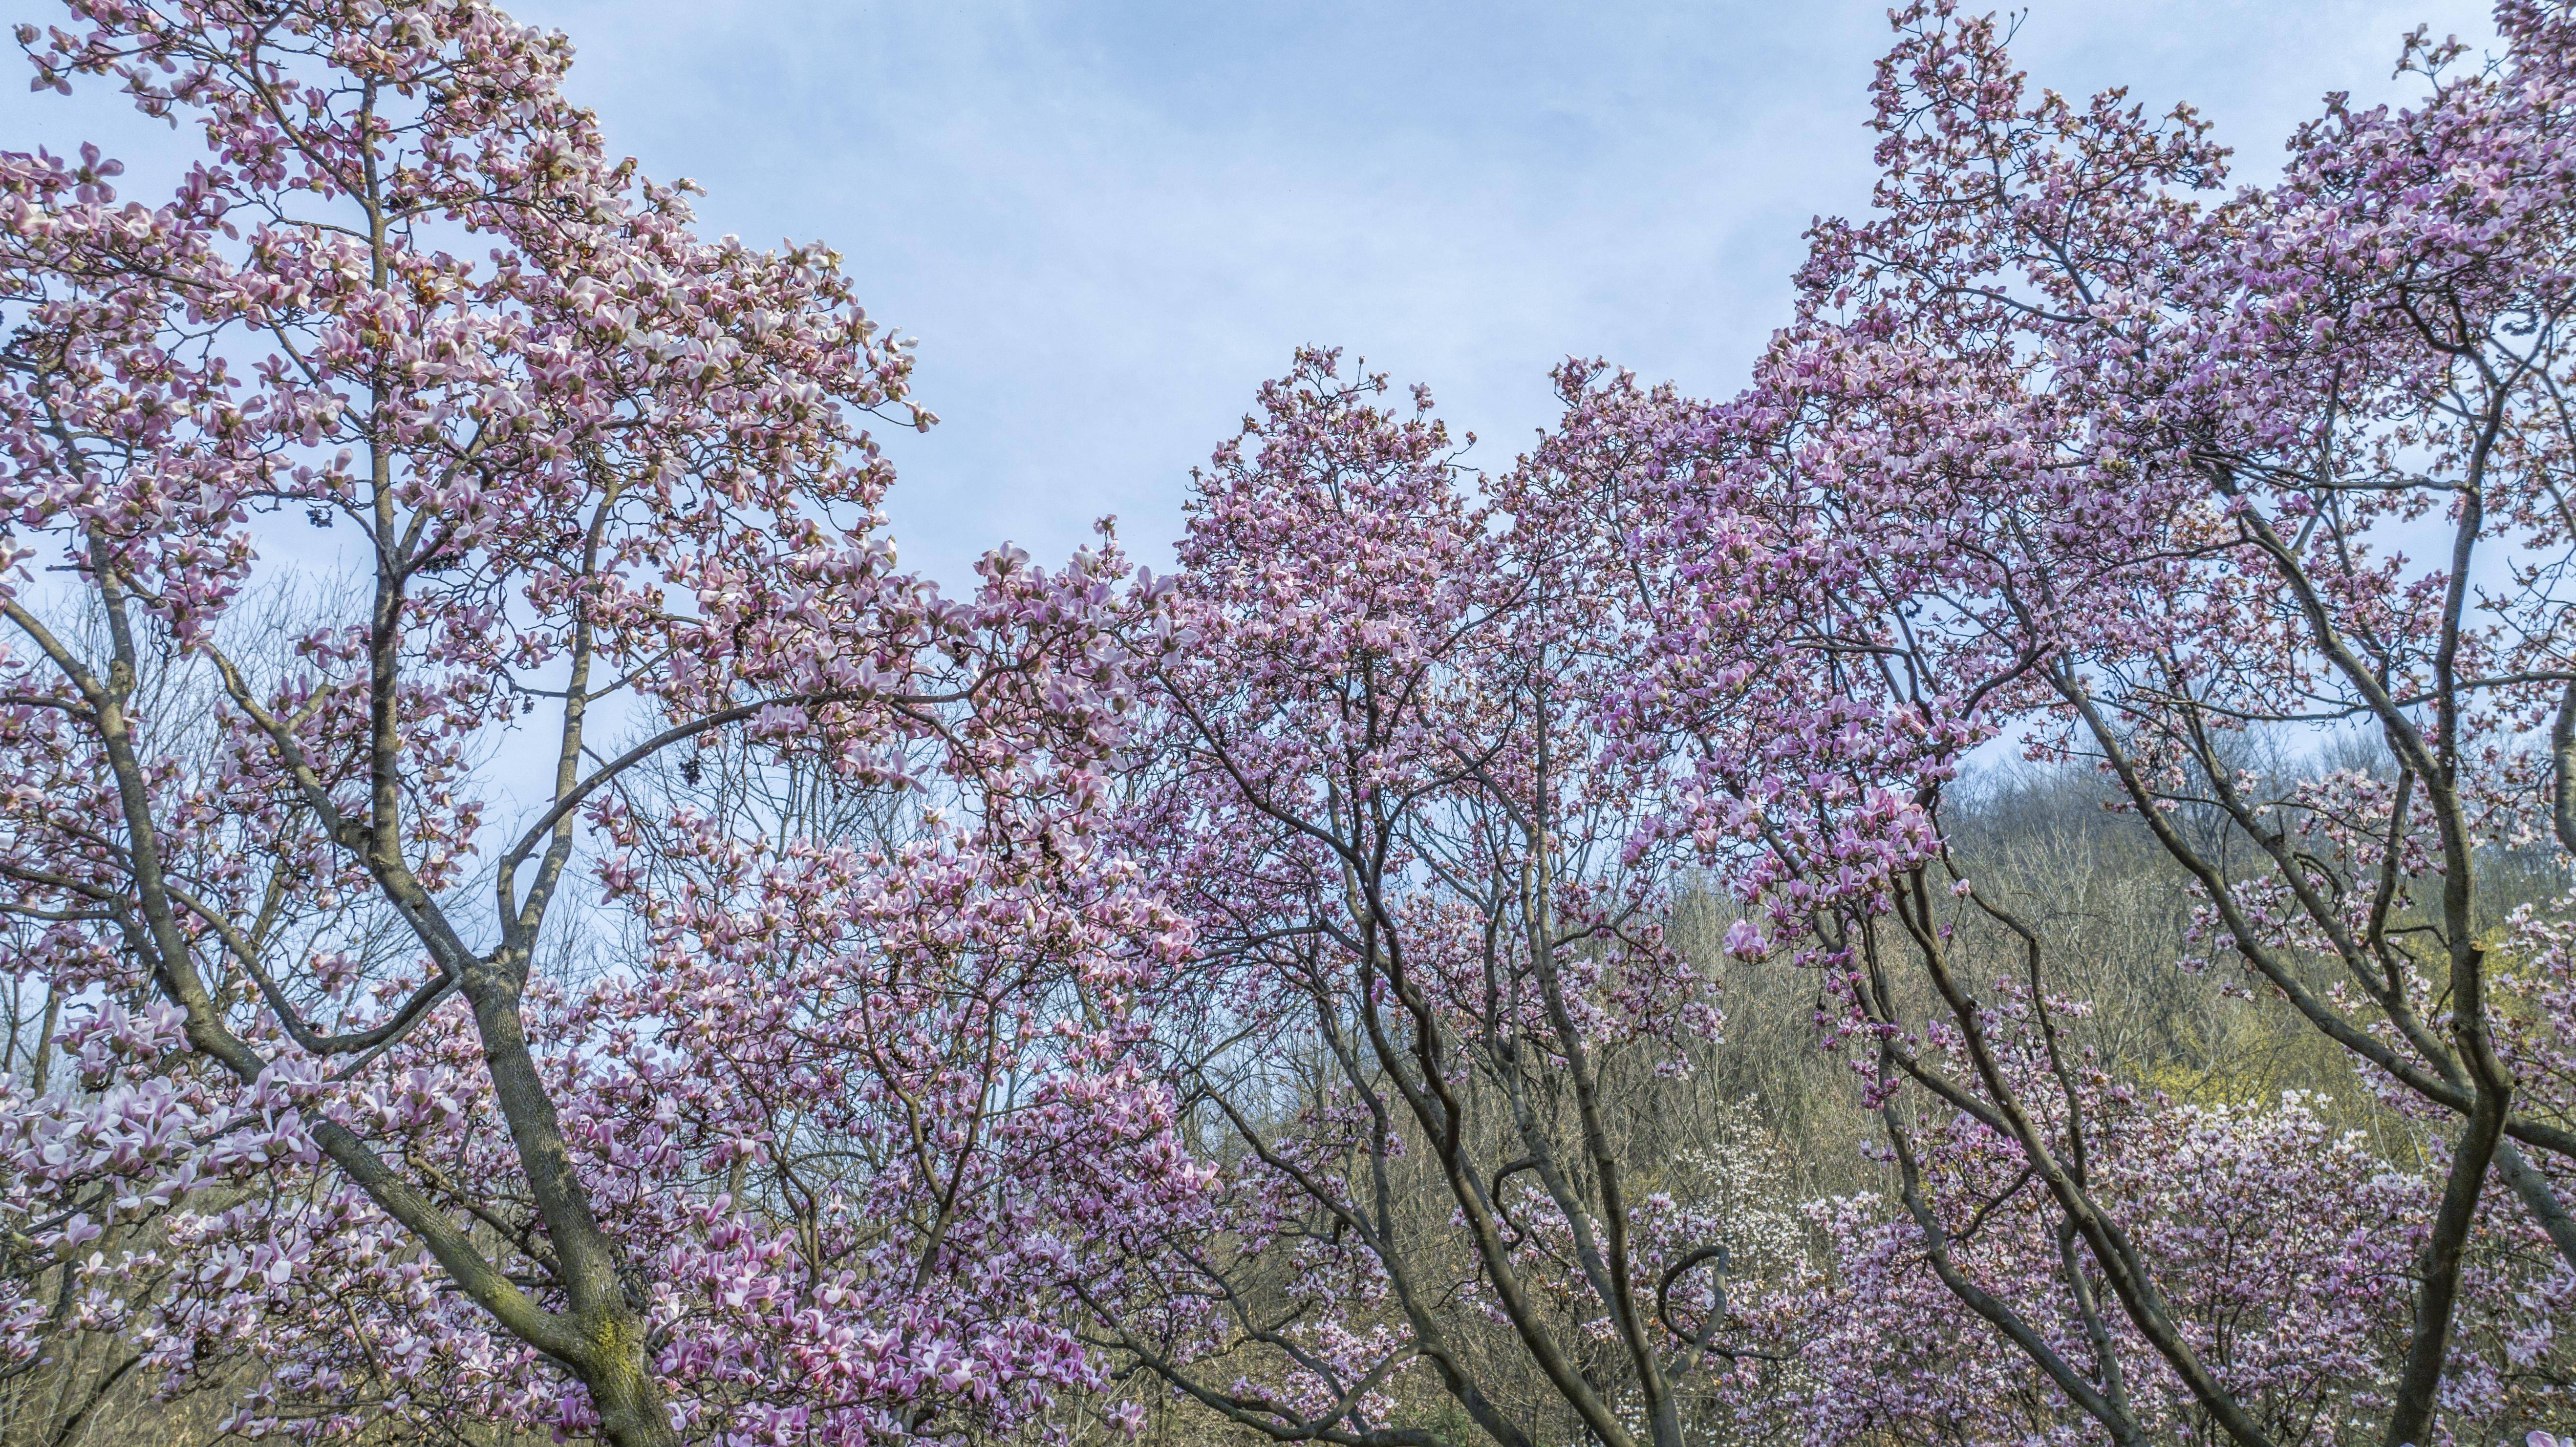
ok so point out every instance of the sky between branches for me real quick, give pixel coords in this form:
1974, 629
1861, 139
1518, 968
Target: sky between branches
1107, 222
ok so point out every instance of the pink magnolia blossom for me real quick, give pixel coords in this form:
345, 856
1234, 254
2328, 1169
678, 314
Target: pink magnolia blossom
540, 472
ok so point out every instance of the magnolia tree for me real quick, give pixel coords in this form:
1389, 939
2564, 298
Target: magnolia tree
2058, 450
559, 485
1430, 1006
629, 961
2283, 1249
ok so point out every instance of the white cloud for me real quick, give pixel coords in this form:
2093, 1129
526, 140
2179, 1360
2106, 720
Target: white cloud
1108, 222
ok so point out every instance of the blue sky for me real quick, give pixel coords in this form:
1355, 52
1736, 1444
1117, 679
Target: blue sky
1107, 222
